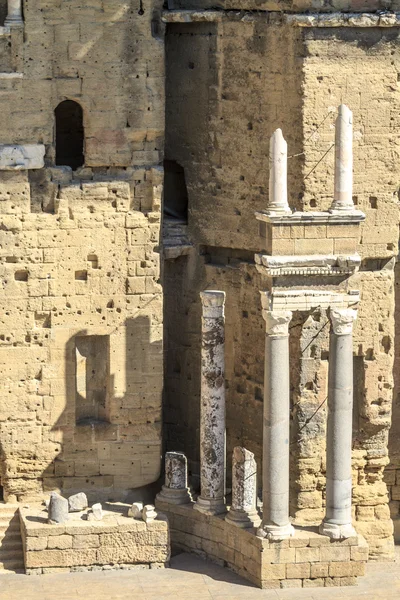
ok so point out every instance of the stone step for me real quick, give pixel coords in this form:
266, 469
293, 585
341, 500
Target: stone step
6, 555
11, 565
9, 542
9, 528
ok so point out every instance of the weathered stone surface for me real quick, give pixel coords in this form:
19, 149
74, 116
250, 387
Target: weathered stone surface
58, 509
149, 513
243, 512
28, 156
136, 510
96, 513
77, 502
212, 413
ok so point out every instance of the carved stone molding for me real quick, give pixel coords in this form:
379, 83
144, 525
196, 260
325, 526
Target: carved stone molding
213, 302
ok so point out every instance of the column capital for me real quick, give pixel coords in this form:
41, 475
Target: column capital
277, 322
213, 302
342, 320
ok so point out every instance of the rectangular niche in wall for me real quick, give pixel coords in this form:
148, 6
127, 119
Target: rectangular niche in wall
92, 374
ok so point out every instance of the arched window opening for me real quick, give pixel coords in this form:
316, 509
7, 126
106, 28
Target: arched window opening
175, 191
69, 134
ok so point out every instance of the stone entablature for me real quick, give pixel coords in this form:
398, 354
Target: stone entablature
117, 541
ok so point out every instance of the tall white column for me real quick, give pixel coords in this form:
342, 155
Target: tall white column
14, 14
278, 201
243, 512
212, 408
337, 522
343, 191
275, 523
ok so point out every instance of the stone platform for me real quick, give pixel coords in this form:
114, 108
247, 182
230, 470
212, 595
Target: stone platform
306, 560
117, 541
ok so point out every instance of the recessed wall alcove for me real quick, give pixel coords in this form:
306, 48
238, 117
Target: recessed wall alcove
91, 378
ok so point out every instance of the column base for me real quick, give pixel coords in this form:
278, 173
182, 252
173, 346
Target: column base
337, 532
276, 532
13, 22
242, 518
174, 496
210, 506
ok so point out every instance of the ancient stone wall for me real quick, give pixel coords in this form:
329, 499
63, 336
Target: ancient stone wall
320, 69
81, 338
100, 54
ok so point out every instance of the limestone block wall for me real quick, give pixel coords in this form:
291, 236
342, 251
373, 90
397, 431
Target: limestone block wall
117, 541
81, 336
107, 56
309, 73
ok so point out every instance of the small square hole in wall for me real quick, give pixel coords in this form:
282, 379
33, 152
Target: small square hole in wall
93, 261
373, 201
21, 275
81, 275
313, 203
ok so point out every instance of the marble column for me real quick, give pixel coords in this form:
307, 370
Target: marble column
337, 522
14, 14
243, 511
278, 201
212, 405
275, 523
343, 187
175, 490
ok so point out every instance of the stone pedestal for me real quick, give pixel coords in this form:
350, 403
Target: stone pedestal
14, 14
243, 511
175, 489
277, 201
337, 522
275, 522
212, 405
343, 192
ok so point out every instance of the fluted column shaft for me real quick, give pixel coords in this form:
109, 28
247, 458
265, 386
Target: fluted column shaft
212, 407
275, 522
338, 521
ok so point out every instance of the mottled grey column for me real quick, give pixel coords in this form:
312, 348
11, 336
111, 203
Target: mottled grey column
277, 200
337, 522
243, 512
275, 522
343, 191
176, 489
212, 405
14, 14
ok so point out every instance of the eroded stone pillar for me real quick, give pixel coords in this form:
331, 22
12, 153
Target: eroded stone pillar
212, 405
175, 490
278, 202
343, 191
275, 522
14, 14
337, 522
243, 512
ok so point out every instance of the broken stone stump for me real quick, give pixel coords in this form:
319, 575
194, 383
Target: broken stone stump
136, 510
175, 490
149, 513
97, 513
243, 512
58, 509
77, 502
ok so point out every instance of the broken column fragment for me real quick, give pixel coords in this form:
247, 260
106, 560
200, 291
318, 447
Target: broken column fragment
343, 186
58, 509
77, 502
243, 511
212, 405
278, 201
175, 490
